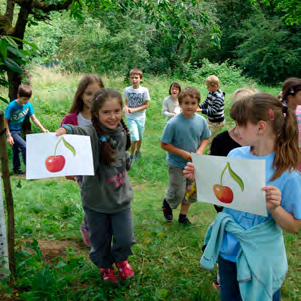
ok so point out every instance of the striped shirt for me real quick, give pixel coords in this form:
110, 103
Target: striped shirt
213, 106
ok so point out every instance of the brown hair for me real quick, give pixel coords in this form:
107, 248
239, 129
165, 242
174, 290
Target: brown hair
78, 103
24, 91
190, 91
100, 97
176, 85
136, 71
212, 80
291, 86
266, 107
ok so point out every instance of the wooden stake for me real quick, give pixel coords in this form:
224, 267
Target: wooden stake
8, 197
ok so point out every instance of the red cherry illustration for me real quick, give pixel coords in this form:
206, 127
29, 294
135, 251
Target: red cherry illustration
55, 163
223, 193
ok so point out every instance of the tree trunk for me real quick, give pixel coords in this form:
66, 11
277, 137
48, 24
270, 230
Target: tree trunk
10, 5
15, 79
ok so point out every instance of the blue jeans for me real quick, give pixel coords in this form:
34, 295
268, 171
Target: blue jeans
229, 284
19, 146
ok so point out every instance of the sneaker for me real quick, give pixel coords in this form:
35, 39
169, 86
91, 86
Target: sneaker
184, 220
108, 275
19, 172
216, 285
132, 158
138, 155
84, 230
125, 270
167, 211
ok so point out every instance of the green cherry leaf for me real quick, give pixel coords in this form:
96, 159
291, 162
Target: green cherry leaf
69, 146
236, 177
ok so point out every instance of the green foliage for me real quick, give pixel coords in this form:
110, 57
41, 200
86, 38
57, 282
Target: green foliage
227, 73
270, 54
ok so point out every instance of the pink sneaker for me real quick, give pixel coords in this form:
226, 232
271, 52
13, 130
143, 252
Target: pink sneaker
108, 275
125, 271
84, 230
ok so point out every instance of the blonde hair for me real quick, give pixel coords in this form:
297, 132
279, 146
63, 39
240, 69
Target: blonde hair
241, 93
266, 107
212, 80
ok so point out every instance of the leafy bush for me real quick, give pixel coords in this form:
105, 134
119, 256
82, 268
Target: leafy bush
269, 51
227, 73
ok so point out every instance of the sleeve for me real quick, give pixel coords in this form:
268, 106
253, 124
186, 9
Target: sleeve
64, 120
146, 95
214, 147
204, 105
31, 111
165, 109
218, 102
168, 133
206, 131
291, 195
76, 130
8, 111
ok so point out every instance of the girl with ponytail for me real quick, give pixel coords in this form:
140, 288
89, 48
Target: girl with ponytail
271, 131
107, 195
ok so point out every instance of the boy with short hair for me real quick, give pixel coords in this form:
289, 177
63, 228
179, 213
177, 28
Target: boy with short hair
213, 106
14, 116
183, 134
136, 102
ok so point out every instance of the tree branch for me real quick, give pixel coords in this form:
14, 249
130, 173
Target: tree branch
10, 5
46, 8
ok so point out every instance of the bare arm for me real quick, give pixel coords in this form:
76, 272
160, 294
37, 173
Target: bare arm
283, 218
38, 123
10, 139
202, 146
177, 151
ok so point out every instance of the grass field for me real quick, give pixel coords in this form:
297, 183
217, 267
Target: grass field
166, 256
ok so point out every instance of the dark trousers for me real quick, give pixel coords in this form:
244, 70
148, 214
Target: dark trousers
19, 146
111, 236
229, 284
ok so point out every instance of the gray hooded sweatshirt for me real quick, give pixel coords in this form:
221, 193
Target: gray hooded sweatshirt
109, 190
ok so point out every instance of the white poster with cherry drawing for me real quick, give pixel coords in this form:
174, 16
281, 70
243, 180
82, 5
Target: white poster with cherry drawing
231, 182
48, 155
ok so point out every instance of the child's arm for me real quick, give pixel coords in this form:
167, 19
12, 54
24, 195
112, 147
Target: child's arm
143, 107
283, 218
203, 105
165, 110
212, 110
126, 108
177, 151
202, 146
10, 139
38, 123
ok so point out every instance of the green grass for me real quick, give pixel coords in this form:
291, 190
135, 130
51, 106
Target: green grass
166, 256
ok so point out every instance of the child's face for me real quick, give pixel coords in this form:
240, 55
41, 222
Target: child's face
295, 99
23, 100
88, 94
211, 88
110, 113
189, 106
135, 80
248, 134
174, 91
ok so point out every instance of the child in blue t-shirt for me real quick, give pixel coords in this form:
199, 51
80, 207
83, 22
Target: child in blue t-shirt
14, 116
183, 134
271, 130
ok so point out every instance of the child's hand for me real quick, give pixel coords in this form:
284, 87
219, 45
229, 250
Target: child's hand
45, 131
186, 155
272, 197
189, 171
126, 109
10, 140
60, 132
